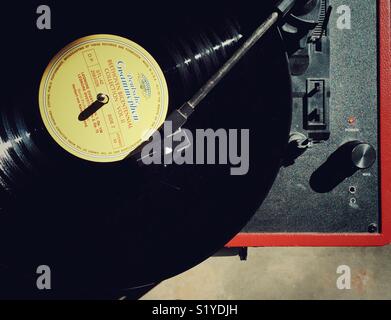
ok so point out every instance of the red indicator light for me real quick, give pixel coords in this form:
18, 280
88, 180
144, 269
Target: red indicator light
352, 120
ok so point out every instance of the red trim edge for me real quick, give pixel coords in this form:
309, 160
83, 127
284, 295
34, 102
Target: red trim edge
349, 240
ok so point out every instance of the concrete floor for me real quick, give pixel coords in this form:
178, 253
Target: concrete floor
284, 273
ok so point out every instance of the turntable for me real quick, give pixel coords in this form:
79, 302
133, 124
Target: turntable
136, 141
330, 191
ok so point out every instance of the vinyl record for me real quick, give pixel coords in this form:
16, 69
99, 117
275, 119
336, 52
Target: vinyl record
104, 226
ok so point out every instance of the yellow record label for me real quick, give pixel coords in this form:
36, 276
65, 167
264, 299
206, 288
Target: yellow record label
117, 68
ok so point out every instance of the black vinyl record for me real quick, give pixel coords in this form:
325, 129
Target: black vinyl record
105, 227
